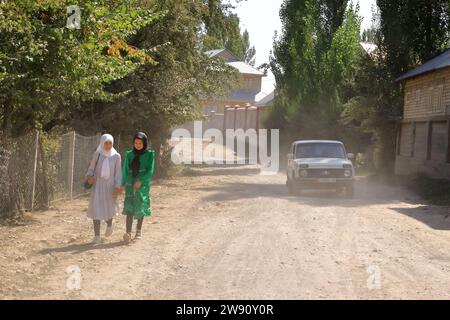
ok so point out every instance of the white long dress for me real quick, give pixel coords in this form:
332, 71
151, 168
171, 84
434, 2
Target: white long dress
102, 205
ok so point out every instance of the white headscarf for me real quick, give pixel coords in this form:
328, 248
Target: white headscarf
105, 166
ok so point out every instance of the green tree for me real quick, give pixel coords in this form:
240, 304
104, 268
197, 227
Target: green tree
47, 70
170, 93
222, 30
313, 61
250, 51
368, 35
410, 33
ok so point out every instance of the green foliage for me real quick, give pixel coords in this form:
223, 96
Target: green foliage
410, 33
47, 69
170, 93
327, 87
222, 30
313, 61
133, 65
249, 51
368, 35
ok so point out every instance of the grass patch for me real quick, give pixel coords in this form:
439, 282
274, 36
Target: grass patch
189, 172
15, 219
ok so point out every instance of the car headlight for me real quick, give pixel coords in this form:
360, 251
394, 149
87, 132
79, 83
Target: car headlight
347, 173
303, 173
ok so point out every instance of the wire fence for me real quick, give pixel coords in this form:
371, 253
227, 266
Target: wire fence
37, 170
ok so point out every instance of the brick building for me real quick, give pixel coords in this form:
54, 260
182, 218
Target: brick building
423, 142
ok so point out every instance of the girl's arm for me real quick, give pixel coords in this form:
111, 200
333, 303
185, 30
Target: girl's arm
145, 176
118, 172
90, 171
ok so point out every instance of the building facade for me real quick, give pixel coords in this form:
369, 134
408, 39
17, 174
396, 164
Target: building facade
243, 108
423, 142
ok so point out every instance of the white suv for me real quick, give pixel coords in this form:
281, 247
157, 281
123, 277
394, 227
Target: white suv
320, 164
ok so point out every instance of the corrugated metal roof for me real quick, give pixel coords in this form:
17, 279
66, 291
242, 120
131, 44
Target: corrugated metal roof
213, 53
233, 61
267, 100
245, 68
226, 54
440, 62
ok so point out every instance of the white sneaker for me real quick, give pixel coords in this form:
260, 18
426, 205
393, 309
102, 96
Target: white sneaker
138, 235
109, 231
96, 240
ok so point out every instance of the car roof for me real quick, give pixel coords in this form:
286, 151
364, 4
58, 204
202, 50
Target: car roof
317, 141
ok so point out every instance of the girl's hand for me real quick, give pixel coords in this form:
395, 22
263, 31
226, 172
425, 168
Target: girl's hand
122, 189
137, 185
90, 180
116, 192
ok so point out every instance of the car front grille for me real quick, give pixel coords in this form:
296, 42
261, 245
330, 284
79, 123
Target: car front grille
325, 173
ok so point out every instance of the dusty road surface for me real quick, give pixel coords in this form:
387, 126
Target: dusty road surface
234, 234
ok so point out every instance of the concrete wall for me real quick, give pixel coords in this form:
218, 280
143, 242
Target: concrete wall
424, 148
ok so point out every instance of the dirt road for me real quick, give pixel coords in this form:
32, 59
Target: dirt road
234, 234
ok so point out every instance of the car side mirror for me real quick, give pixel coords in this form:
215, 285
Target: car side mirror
350, 156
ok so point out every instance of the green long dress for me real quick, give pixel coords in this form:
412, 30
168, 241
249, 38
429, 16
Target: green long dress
138, 201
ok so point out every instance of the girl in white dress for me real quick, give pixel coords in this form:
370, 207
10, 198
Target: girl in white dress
104, 175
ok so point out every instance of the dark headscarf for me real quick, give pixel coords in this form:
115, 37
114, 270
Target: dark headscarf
134, 165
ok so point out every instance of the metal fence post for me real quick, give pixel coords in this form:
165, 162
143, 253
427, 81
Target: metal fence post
71, 163
33, 191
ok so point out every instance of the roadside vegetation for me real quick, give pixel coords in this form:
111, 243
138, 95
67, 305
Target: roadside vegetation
329, 86
132, 65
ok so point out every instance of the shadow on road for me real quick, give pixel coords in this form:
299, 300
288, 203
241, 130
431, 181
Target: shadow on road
233, 170
84, 247
435, 217
366, 193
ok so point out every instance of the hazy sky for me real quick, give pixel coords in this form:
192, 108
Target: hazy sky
261, 19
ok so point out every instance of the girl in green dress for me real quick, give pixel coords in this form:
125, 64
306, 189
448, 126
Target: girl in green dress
136, 176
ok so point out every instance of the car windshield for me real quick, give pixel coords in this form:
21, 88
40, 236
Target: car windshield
320, 150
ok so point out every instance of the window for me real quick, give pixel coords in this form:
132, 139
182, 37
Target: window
250, 83
437, 98
417, 98
320, 150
